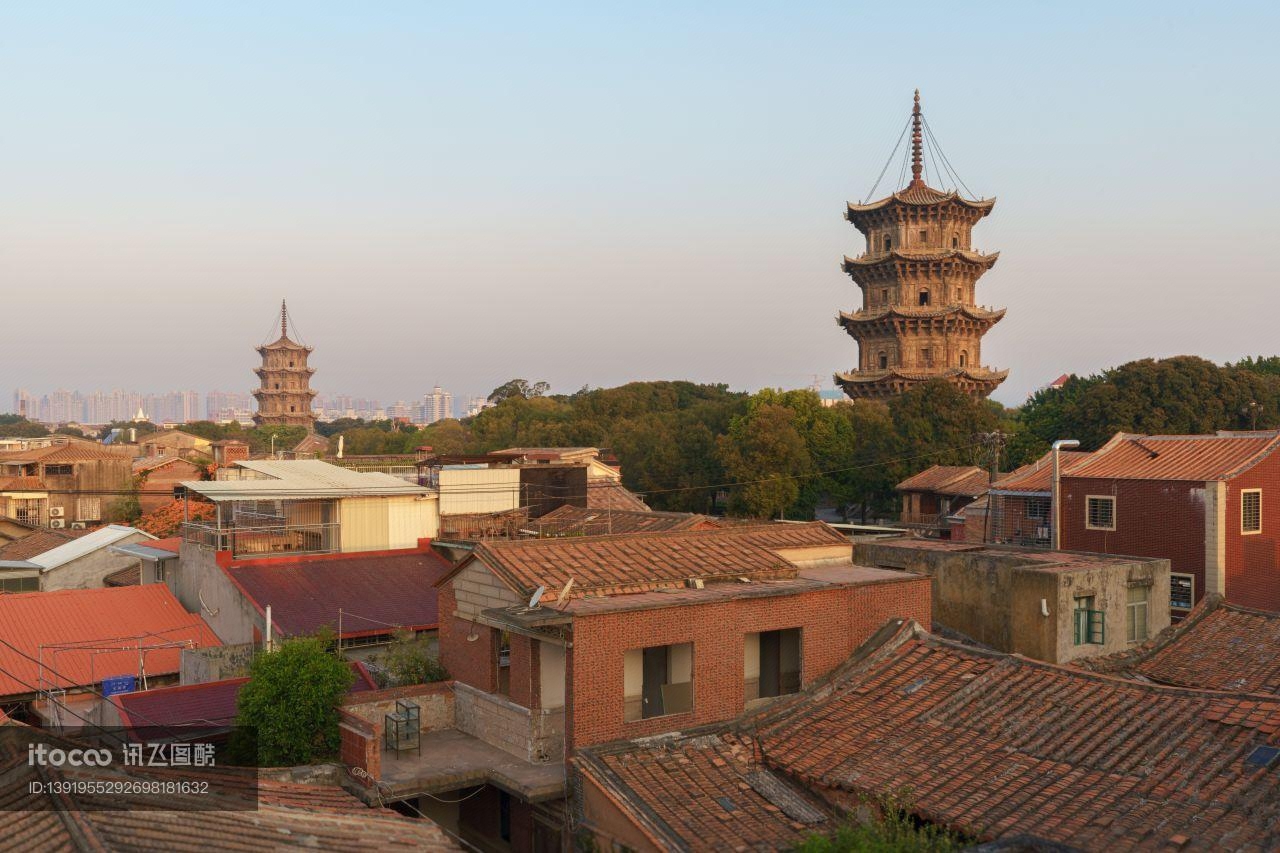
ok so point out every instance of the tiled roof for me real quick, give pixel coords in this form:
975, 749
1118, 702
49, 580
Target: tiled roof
584, 521
287, 815
1218, 646
921, 194
38, 543
869, 260
374, 592
874, 315
978, 374
1038, 476
604, 494
965, 481
1177, 457
79, 621
76, 451
640, 562
131, 576
707, 792
195, 704
150, 463
998, 745
22, 484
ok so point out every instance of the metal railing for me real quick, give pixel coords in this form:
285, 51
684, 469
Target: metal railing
265, 541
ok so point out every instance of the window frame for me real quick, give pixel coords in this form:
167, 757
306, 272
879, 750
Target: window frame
1084, 621
1243, 494
1088, 524
1130, 616
1192, 598
691, 682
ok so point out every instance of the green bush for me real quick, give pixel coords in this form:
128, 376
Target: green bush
288, 710
888, 827
408, 660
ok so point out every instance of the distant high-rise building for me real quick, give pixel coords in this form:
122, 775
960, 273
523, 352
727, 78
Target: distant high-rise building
476, 405
436, 406
285, 394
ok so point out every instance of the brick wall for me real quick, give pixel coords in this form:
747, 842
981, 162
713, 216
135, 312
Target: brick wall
1154, 518
1253, 560
468, 662
834, 621
360, 746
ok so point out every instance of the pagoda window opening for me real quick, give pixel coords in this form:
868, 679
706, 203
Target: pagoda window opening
884, 360
884, 296
964, 358
924, 296
888, 242
927, 353
924, 236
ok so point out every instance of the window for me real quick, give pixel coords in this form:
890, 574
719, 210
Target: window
884, 296
1182, 591
1100, 512
1038, 509
964, 358
31, 584
927, 356
884, 360
658, 681
58, 470
888, 242
502, 647
771, 664
955, 242
1090, 623
89, 509
924, 236
924, 297
1251, 511
1135, 616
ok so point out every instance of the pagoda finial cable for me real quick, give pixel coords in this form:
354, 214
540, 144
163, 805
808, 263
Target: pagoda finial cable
917, 143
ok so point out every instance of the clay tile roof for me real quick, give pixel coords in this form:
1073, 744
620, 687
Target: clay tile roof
958, 480
23, 484
704, 793
603, 494
131, 576
375, 592
89, 618
1218, 646
640, 562
1038, 476
921, 194
996, 745
77, 452
287, 815
1177, 457
585, 521
34, 544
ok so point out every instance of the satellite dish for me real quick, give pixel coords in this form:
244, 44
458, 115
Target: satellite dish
564, 592
537, 596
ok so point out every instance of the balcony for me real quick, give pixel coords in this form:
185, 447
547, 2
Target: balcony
266, 540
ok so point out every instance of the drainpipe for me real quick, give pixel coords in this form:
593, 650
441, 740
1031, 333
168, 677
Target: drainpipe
1057, 488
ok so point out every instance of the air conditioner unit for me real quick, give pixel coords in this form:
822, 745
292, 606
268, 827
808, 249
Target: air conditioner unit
57, 523
55, 512
77, 525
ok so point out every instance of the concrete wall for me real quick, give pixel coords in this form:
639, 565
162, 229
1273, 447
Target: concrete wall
203, 588
536, 736
478, 490
215, 663
88, 571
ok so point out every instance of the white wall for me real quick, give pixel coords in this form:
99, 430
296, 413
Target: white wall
478, 490
551, 665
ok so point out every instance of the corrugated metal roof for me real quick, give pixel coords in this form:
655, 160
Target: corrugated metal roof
87, 625
87, 544
1177, 457
303, 478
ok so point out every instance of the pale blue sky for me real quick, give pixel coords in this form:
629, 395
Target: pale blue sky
461, 193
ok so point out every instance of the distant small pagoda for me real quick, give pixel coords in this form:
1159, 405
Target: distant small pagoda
285, 394
919, 319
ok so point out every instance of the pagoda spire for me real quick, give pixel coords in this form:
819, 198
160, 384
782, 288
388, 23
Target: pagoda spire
284, 320
917, 144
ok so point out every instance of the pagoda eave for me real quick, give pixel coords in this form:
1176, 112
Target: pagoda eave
882, 384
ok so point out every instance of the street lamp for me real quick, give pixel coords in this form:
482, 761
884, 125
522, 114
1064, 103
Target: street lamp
1057, 488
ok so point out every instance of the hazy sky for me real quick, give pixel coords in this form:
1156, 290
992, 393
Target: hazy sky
590, 194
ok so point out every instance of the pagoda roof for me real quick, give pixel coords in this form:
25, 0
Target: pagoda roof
920, 194
914, 312
284, 343
871, 260
977, 374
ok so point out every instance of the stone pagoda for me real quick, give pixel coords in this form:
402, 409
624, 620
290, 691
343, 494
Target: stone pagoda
285, 394
919, 318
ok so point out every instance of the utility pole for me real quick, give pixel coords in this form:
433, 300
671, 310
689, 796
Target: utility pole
995, 442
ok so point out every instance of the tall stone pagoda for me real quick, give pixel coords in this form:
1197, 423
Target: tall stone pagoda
285, 394
919, 319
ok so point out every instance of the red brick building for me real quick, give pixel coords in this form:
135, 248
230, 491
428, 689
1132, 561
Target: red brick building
569, 642
1198, 500
929, 497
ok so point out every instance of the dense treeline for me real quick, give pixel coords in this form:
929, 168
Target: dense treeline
773, 453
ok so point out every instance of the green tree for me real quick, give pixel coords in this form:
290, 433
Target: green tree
290, 704
409, 659
765, 452
286, 437
16, 426
522, 388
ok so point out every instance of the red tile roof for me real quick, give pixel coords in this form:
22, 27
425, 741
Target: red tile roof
1038, 475
23, 484
639, 562
606, 494
963, 481
38, 542
1177, 457
375, 592
286, 816
997, 745
195, 704
1219, 646
80, 623
75, 451
706, 793
585, 521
